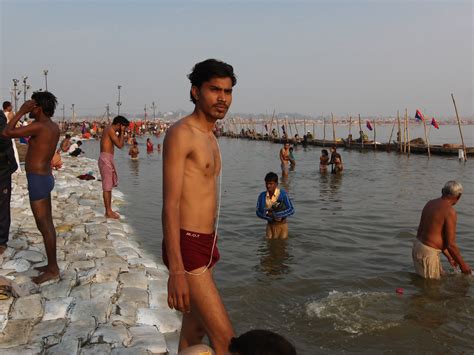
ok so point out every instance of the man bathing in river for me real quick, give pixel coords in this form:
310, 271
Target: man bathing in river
285, 159
191, 166
437, 234
44, 136
274, 206
106, 160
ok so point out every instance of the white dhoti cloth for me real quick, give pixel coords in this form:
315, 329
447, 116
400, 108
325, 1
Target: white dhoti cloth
426, 260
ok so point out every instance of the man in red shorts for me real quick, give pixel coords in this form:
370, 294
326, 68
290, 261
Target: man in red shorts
191, 165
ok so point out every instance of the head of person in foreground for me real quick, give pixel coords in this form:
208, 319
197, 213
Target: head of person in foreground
211, 87
261, 342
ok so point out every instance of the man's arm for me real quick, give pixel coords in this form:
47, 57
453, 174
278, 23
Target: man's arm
175, 151
450, 239
261, 210
11, 131
448, 256
281, 156
117, 141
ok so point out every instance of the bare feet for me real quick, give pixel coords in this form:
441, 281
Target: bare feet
2, 249
47, 275
41, 268
112, 214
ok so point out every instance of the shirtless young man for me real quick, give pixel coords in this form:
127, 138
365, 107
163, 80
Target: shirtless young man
285, 159
41, 147
191, 166
106, 160
437, 234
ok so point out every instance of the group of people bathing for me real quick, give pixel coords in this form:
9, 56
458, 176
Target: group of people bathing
133, 152
191, 158
288, 160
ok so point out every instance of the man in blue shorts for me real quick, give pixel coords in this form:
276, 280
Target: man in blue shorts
44, 136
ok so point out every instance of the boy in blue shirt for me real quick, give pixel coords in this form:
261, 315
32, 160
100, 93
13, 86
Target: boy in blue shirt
274, 206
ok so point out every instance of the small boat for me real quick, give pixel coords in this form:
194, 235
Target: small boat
369, 145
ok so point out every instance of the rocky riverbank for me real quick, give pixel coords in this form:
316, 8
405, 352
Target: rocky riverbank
111, 298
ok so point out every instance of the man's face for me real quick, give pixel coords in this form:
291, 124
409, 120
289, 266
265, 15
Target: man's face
287, 146
9, 109
35, 112
214, 97
271, 186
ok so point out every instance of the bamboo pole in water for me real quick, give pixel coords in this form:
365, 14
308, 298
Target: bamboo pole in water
391, 133
278, 127
271, 124
460, 130
324, 132
427, 142
314, 131
375, 136
296, 127
286, 130
333, 129
399, 136
304, 125
405, 145
350, 130
408, 131
361, 133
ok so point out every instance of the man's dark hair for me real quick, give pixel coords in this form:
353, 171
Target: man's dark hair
79, 143
261, 342
68, 136
208, 69
271, 176
6, 104
46, 100
121, 120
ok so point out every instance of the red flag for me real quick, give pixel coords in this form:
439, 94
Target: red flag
434, 123
419, 116
369, 126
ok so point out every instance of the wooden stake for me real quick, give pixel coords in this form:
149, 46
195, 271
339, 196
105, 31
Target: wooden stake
391, 133
460, 130
324, 130
427, 142
314, 131
296, 127
333, 130
304, 125
375, 136
399, 137
350, 130
408, 131
361, 133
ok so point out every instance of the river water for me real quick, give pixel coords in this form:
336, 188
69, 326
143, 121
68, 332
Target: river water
331, 287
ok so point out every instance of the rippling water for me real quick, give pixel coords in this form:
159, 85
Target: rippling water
330, 287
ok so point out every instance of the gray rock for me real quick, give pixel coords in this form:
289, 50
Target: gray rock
18, 244
99, 310
57, 308
19, 265
57, 290
27, 349
149, 338
134, 279
30, 255
103, 291
165, 320
96, 349
29, 307
115, 335
82, 292
79, 330
134, 295
15, 333
65, 347
48, 332
130, 351
172, 342
82, 265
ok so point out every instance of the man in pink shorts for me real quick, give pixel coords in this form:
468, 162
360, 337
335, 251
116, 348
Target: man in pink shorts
114, 135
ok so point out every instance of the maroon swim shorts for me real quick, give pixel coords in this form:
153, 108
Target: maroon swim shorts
196, 250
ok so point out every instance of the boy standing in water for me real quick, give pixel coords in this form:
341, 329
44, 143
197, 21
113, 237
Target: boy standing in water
44, 136
191, 166
274, 206
106, 160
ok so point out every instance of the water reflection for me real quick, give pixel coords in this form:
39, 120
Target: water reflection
134, 167
274, 257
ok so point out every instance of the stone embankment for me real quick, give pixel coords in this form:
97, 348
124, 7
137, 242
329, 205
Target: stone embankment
111, 297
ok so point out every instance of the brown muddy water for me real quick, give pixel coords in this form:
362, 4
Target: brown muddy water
331, 287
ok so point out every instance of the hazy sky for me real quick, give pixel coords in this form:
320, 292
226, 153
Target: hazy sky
311, 57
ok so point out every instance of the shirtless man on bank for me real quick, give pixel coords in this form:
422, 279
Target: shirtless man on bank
285, 159
106, 163
437, 234
191, 166
44, 135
